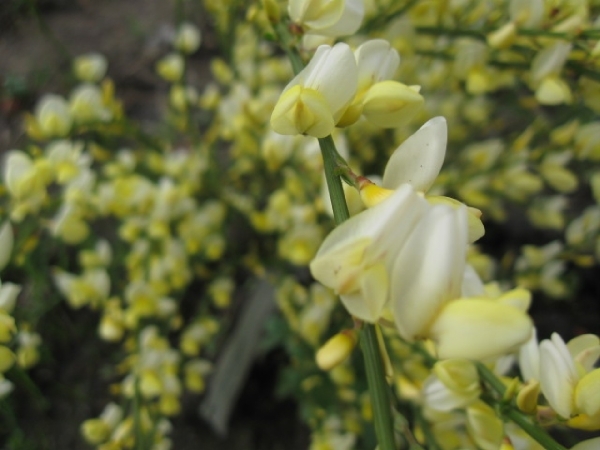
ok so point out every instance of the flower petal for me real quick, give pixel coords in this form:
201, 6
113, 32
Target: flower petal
419, 159
428, 270
558, 376
464, 329
587, 393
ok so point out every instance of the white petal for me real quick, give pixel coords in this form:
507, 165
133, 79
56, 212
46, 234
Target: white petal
335, 75
589, 444
368, 303
472, 286
439, 398
348, 23
377, 60
419, 159
529, 358
557, 375
429, 269
371, 222
550, 60
585, 349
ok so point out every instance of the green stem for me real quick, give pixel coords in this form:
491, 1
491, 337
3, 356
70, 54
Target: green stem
286, 42
334, 183
510, 412
378, 389
454, 32
382, 414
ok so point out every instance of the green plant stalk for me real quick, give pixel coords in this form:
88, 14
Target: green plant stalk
286, 40
378, 389
510, 412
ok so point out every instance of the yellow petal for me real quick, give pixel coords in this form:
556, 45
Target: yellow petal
302, 111
587, 393
390, 104
463, 329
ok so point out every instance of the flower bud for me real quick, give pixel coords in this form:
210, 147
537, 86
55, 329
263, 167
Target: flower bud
336, 350
95, 431
527, 398
553, 91
460, 376
503, 37
90, 67
7, 358
484, 426
53, 116
171, 67
188, 38
587, 393
327, 17
271, 8
7, 327
6, 244
8, 296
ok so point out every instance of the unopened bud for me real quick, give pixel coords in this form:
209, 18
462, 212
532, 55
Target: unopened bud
336, 350
188, 38
272, 10
7, 358
90, 67
171, 67
95, 431
527, 398
6, 244
7, 327
511, 390
503, 37
53, 116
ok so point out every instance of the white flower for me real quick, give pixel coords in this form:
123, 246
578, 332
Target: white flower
315, 99
567, 377
327, 17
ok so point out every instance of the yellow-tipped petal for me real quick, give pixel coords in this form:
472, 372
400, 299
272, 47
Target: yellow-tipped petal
587, 394
390, 104
302, 111
419, 158
553, 91
371, 194
484, 426
463, 329
527, 398
503, 37
476, 228
589, 444
459, 375
585, 422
